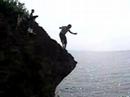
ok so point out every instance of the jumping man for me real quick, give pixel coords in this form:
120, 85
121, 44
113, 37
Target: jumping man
64, 30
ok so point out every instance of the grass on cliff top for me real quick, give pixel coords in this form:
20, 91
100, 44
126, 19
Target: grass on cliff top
12, 7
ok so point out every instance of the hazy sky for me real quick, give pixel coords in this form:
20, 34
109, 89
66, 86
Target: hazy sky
100, 24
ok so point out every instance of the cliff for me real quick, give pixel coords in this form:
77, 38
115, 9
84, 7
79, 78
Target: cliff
31, 64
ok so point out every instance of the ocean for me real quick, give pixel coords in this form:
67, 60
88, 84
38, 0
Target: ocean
98, 74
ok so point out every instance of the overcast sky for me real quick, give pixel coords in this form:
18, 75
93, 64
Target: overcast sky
100, 24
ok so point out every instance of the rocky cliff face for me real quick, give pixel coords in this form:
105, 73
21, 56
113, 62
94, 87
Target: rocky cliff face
31, 64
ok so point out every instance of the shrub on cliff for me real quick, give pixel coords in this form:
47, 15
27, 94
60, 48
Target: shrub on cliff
12, 7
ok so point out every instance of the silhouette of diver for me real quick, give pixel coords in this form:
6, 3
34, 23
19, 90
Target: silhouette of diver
64, 30
31, 20
32, 17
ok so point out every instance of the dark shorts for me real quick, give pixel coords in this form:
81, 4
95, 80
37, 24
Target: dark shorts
63, 38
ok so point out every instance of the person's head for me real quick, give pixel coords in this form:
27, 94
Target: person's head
32, 10
69, 26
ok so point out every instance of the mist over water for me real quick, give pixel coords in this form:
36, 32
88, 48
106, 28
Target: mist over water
98, 74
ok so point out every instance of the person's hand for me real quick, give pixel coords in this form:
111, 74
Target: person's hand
76, 33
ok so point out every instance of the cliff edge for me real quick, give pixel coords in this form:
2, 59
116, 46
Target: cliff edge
31, 63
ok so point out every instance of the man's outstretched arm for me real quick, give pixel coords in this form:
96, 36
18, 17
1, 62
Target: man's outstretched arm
72, 32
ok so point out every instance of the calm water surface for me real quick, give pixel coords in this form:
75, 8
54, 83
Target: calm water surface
98, 74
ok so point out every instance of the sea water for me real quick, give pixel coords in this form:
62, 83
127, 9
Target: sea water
98, 74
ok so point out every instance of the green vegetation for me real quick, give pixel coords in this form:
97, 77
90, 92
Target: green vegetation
11, 10
12, 7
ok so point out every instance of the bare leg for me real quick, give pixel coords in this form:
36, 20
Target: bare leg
63, 40
64, 46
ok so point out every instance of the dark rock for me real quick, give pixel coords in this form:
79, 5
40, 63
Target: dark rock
31, 64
